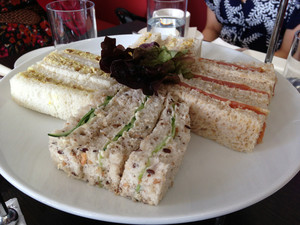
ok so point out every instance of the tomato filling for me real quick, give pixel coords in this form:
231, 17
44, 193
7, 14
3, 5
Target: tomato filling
232, 104
251, 68
230, 84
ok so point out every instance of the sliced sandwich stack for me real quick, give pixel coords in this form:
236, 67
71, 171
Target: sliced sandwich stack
131, 144
229, 102
62, 83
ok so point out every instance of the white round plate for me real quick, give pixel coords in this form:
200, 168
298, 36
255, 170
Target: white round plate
31, 54
212, 181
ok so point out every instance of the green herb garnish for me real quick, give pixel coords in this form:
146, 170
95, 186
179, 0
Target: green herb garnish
85, 119
158, 148
126, 128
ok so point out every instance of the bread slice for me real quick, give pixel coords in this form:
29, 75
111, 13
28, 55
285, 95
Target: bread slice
151, 170
260, 76
230, 90
97, 151
62, 83
233, 124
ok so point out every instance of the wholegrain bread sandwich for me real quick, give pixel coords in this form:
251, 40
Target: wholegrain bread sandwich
256, 75
97, 150
229, 101
151, 170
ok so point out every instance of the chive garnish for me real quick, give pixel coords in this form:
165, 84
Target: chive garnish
126, 128
158, 148
85, 119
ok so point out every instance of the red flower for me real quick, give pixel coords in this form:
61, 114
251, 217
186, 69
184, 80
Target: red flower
44, 24
3, 52
27, 40
12, 40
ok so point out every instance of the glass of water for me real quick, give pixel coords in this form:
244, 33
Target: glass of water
167, 17
292, 67
71, 20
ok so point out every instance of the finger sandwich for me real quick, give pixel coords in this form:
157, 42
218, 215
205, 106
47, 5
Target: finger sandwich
62, 83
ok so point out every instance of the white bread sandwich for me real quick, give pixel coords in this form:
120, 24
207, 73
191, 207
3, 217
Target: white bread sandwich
151, 170
97, 150
192, 45
62, 83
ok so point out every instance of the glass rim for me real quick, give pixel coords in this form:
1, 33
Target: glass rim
48, 6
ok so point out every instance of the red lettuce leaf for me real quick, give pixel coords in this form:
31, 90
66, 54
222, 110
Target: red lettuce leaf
145, 67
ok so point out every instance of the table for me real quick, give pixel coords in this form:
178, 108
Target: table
283, 207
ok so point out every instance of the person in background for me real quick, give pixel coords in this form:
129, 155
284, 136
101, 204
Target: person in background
250, 23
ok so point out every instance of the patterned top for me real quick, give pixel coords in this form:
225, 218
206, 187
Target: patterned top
250, 24
23, 27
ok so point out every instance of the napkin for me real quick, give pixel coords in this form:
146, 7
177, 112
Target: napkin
192, 32
219, 41
14, 204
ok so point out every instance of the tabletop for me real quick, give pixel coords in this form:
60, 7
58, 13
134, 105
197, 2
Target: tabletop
283, 207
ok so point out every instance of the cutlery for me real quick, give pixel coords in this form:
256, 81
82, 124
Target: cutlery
8, 216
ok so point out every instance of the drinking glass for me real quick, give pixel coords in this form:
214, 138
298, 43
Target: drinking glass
71, 20
292, 66
167, 17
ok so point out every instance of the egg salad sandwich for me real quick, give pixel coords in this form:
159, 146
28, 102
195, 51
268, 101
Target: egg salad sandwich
62, 83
